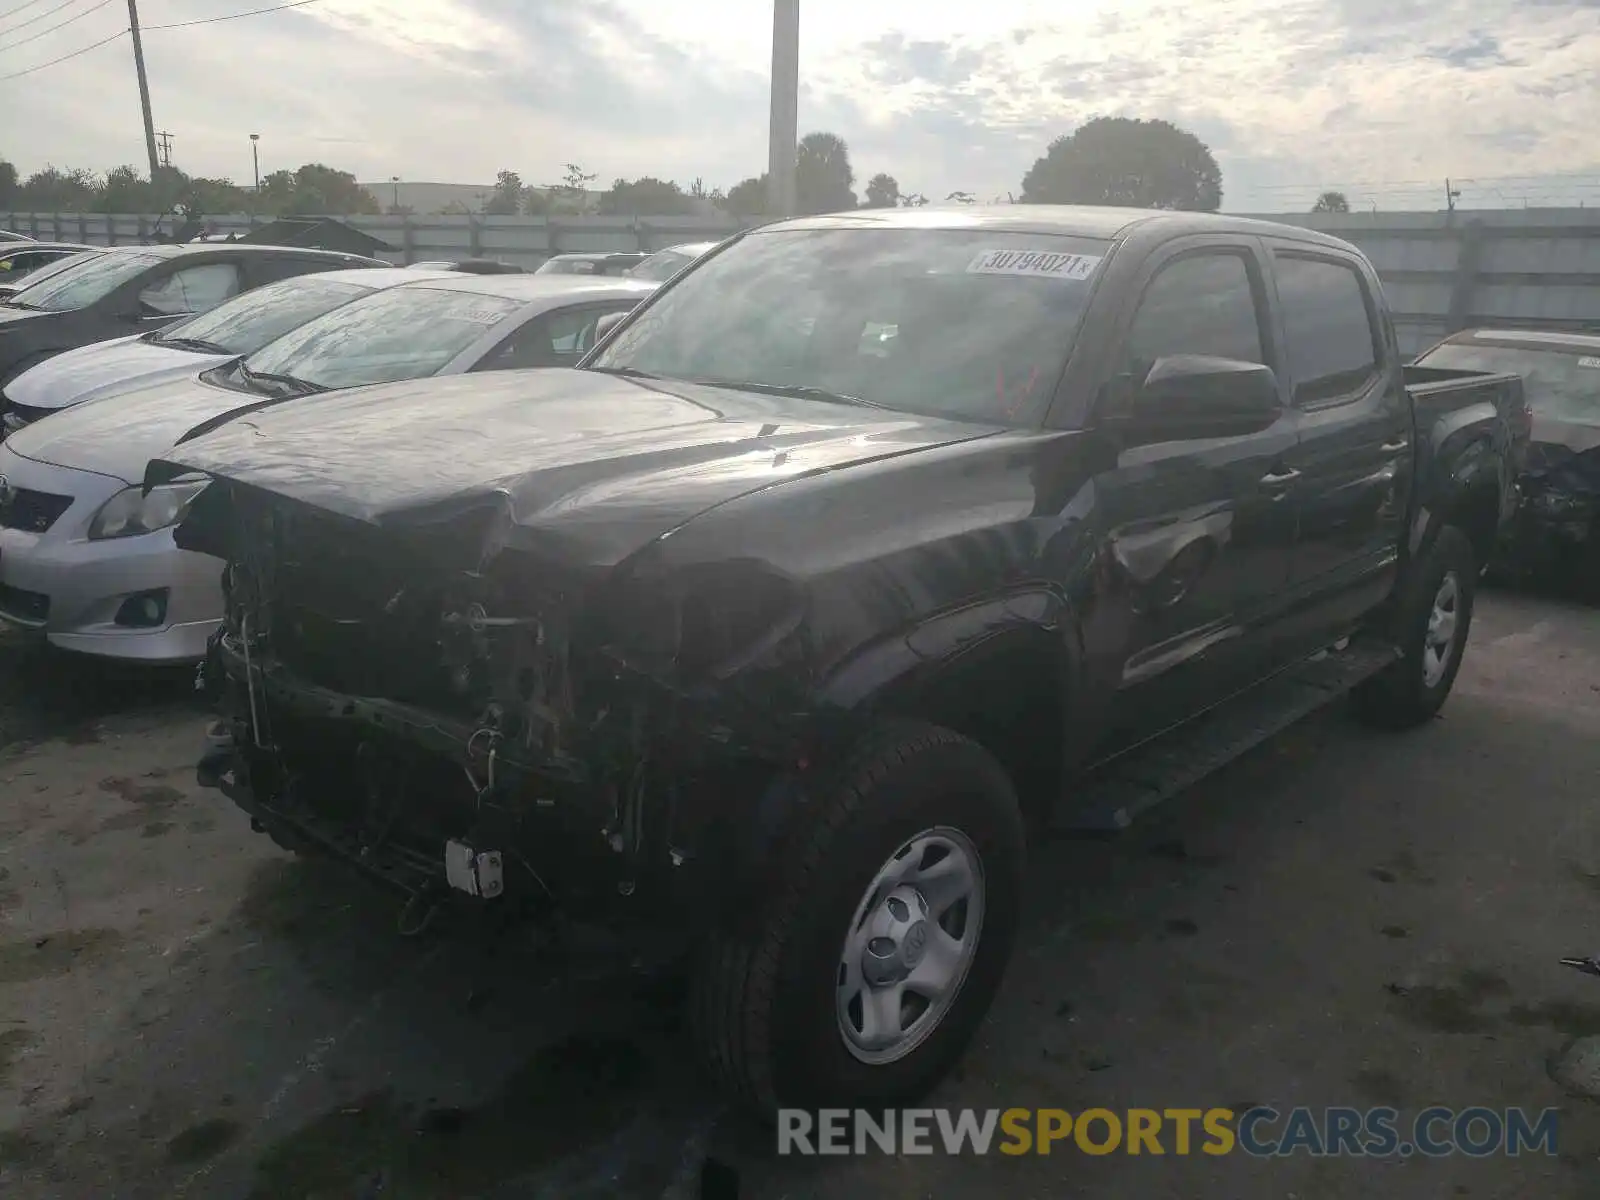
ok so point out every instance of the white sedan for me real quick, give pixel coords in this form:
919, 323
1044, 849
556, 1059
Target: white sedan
87, 559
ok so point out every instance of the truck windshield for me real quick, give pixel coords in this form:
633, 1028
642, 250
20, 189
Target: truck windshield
84, 283
1563, 385
964, 323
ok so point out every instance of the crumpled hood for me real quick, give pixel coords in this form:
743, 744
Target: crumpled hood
578, 465
118, 434
1577, 436
124, 363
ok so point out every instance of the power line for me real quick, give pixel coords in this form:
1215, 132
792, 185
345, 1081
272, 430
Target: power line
11, 12
36, 16
92, 46
33, 37
254, 12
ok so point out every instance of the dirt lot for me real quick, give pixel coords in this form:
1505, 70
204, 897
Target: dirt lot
1341, 918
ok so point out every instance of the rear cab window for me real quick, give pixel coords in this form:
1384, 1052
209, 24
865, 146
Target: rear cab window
1334, 344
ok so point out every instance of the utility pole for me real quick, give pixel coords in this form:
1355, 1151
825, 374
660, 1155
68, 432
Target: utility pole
1451, 195
783, 134
144, 87
166, 148
255, 158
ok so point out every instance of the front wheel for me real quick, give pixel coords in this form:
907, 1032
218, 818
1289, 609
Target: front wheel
1433, 618
883, 940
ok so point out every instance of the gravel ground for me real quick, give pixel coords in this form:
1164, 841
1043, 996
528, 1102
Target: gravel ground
1341, 918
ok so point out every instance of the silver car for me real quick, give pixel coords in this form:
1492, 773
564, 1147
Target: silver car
664, 264
87, 559
239, 326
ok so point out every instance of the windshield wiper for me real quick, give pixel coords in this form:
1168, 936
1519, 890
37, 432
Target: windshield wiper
196, 344
625, 372
796, 390
13, 302
295, 387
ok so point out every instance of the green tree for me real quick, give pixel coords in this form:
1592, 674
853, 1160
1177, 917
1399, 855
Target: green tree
57, 191
1127, 163
823, 177
883, 192
8, 185
507, 197
536, 202
644, 197
124, 191
1331, 202
748, 198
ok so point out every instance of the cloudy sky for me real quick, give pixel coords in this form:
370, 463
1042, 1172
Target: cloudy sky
1382, 98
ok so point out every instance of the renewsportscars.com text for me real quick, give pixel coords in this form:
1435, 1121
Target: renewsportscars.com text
1259, 1132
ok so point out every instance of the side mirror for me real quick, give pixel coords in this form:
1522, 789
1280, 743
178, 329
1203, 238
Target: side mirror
605, 325
1188, 397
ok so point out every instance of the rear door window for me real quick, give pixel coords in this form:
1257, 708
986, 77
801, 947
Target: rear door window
193, 289
1333, 341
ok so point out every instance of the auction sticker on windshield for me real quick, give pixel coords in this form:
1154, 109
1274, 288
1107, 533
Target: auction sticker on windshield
1037, 263
1589, 362
483, 316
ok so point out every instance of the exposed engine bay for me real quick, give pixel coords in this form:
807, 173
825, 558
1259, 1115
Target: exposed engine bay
509, 731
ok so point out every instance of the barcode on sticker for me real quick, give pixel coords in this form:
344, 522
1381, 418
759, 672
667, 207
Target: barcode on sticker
1044, 264
1590, 362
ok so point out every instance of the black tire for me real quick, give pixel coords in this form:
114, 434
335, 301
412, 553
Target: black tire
763, 1004
1402, 697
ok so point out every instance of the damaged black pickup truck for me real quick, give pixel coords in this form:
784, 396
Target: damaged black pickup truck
867, 545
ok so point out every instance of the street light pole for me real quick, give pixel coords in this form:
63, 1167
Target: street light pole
395, 179
255, 158
783, 134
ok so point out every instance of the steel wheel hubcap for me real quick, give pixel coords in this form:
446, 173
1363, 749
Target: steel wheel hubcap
1439, 642
910, 945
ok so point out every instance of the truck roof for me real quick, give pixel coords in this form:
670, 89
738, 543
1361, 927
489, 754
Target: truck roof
1073, 220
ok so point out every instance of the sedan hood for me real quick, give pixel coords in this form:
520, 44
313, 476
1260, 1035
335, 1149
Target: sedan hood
118, 434
576, 465
88, 372
12, 318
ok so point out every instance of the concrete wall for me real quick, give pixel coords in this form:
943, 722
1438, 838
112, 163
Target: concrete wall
527, 241
1537, 267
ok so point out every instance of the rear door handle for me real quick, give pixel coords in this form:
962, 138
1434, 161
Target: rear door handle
1395, 447
1278, 479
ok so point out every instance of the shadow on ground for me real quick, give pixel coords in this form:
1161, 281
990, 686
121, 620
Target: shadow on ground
46, 693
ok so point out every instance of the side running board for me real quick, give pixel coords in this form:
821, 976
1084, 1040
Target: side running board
1111, 797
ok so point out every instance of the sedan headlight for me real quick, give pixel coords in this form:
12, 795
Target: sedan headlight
131, 511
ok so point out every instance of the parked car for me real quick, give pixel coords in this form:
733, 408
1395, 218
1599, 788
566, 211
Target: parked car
472, 266
11, 235
664, 264
1557, 531
235, 327
139, 288
10, 285
87, 559
20, 260
590, 264
753, 642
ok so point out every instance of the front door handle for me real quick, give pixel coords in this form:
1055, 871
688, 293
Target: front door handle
1396, 446
1278, 479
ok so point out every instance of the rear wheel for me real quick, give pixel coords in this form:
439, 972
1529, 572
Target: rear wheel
1433, 619
883, 940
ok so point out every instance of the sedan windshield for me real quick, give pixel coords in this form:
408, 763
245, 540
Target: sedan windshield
85, 283
1563, 385
246, 323
963, 323
662, 265
407, 332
